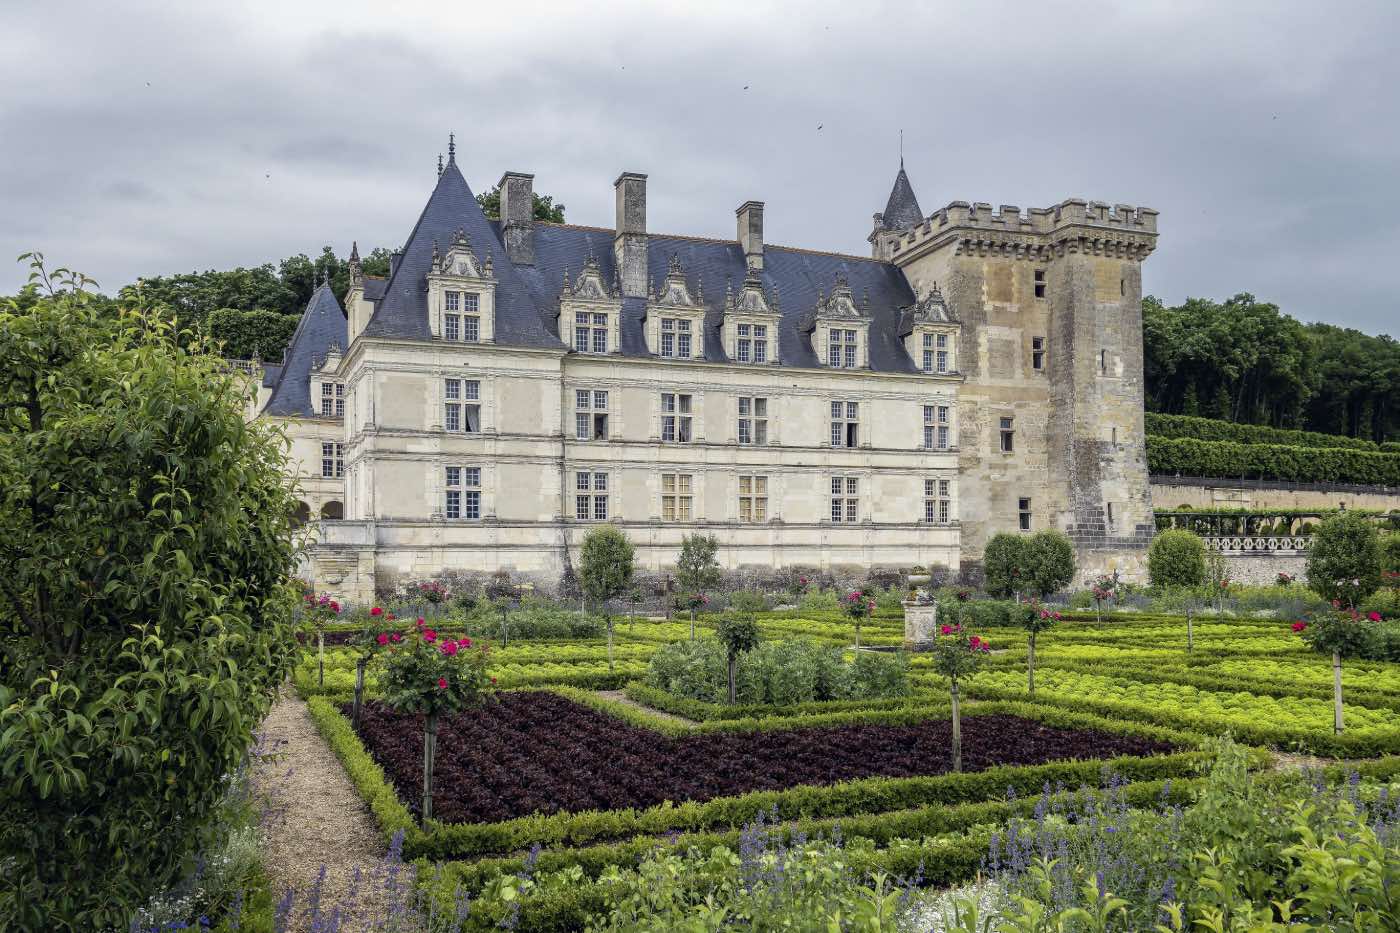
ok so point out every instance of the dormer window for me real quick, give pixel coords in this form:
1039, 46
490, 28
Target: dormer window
589, 312
930, 335
752, 343
841, 348
841, 328
675, 337
751, 322
461, 294
675, 319
332, 400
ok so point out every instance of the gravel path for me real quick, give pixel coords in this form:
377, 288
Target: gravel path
621, 697
317, 818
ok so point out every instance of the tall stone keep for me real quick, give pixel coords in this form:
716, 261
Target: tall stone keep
1051, 409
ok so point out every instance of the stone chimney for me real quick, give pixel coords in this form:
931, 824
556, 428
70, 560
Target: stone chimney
750, 215
630, 240
394, 258
518, 217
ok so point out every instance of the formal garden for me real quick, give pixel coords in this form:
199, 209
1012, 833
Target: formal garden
1065, 753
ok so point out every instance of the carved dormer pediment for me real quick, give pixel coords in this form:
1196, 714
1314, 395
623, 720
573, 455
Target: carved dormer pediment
931, 309
460, 259
930, 332
841, 304
751, 321
675, 319
675, 290
590, 284
751, 298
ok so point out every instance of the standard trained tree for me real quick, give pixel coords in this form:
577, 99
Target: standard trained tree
1175, 558
1344, 559
697, 570
145, 609
1050, 560
605, 571
738, 633
1006, 564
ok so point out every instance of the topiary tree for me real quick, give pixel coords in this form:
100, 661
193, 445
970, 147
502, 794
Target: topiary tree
1006, 564
146, 609
859, 606
1035, 619
697, 569
738, 633
367, 643
1050, 559
955, 656
320, 612
605, 571
1343, 633
1344, 559
1176, 557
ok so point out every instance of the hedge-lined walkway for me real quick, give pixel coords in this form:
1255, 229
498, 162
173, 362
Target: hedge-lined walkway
320, 819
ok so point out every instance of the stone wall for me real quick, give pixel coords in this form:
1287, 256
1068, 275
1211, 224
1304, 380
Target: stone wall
1262, 568
1170, 493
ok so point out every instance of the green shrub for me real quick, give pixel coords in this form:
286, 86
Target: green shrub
1007, 564
1208, 429
1390, 553
1176, 558
1344, 560
777, 673
819, 601
147, 546
1270, 461
981, 613
749, 601
244, 335
1051, 557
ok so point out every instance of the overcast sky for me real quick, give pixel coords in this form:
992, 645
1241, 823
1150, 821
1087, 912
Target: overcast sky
149, 138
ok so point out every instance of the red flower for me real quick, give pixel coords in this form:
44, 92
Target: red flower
376, 611
396, 637
493, 680
442, 682
1374, 617
945, 630
429, 634
465, 643
383, 639
420, 621
1299, 625
389, 616
335, 606
449, 648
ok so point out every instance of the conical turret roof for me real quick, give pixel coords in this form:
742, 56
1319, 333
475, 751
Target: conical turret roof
902, 210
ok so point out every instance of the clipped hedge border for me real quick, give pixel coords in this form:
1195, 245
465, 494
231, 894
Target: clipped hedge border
700, 711
369, 779
1191, 457
1209, 429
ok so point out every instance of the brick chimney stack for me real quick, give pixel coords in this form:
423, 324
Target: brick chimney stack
630, 240
750, 222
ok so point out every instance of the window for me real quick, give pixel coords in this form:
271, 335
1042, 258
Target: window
753, 420
332, 400
1103, 361
452, 301
1024, 507
1040, 283
1008, 435
463, 492
471, 327
332, 460
461, 408
941, 356
591, 496
938, 501
471, 303
675, 337
591, 414
675, 497
753, 343
841, 348
1109, 507
452, 326
845, 424
753, 498
928, 353
675, 418
936, 426
1037, 353
461, 326
590, 332
845, 499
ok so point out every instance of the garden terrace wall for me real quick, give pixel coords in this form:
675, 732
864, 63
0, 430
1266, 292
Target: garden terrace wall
1190, 457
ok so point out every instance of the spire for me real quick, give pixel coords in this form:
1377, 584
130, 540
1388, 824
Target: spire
355, 251
439, 165
451, 148
902, 211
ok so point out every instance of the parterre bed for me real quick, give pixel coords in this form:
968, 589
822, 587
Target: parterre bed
535, 752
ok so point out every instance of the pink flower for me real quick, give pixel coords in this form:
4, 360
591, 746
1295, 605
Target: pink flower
945, 630
1374, 616
335, 606
396, 637
1299, 625
383, 639
376, 612
465, 643
442, 682
420, 622
429, 635
449, 648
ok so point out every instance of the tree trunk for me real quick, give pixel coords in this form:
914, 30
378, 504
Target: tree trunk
429, 753
692, 624
359, 691
1337, 692
1030, 667
732, 692
857, 633
1098, 611
320, 659
957, 731
505, 629
1190, 634
608, 620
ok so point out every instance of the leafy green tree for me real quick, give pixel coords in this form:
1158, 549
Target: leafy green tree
145, 605
956, 656
243, 335
1344, 559
605, 571
1007, 564
1035, 619
1051, 558
1176, 557
543, 204
697, 569
738, 633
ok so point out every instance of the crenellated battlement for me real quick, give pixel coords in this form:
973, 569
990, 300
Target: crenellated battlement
1073, 225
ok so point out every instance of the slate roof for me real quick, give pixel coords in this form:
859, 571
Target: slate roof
321, 324
902, 209
527, 296
373, 286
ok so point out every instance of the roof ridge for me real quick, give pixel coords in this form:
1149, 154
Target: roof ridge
711, 239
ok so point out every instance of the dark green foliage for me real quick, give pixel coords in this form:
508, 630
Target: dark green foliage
738, 633
1191, 457
1051, 559
543, 204
697, 569
1209, 429
1176, 558
145, 616
1344, 561
243, 335
1007, 564
605, 565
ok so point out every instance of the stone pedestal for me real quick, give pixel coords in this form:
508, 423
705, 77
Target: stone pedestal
920, 625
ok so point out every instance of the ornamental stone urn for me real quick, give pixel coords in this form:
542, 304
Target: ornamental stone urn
920, 614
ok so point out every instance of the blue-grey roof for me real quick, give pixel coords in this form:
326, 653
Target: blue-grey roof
321, 324
270, 374
527, 296
902, 210
373, 286
403, 311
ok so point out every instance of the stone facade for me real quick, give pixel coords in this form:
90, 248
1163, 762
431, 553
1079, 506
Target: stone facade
514, 383
1174, 493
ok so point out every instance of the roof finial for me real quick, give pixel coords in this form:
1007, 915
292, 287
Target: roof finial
451, 148
901, 149
354, 250
439, 165
325, 276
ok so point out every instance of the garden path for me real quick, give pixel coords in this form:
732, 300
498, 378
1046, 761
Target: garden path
619, 696
316, 819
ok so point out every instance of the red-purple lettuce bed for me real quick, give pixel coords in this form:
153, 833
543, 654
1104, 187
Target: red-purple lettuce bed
532, 751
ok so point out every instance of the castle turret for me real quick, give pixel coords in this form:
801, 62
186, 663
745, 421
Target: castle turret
901, 213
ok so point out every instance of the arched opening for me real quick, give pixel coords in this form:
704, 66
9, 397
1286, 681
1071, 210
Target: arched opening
333, 510
302, 514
